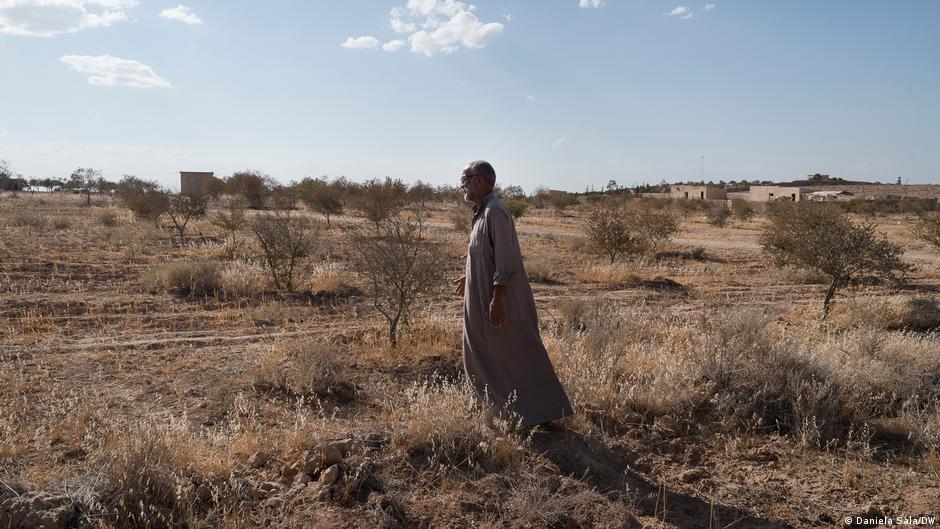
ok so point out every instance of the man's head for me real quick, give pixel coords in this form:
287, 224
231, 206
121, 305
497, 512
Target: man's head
478, 180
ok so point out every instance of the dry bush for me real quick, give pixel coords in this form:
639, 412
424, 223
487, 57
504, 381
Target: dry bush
59, 222
242, 279
185, 278
309, 367
564, 502
254, 186
379, 200
143, 198
26, 219
443, 422
108, 218
927, 229
718, 216
321, 197
541, 270
628, 273
284, 242
741, 209
184, 208
517, 207
460, 218
609, 233
399, 264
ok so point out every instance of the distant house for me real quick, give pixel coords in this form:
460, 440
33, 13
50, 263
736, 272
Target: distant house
194, 183
697, 192
774, 193
828, 196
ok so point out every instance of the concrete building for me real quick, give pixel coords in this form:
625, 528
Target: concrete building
698, 192
195, 183
771, 193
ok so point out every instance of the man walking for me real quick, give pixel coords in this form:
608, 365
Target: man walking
503, 354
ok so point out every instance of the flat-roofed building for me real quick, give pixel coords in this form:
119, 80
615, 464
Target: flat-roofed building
698, 192
195, 183
771, 193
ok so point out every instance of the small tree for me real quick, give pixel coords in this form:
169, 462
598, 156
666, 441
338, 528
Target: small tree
381, 200
460, 218
718, 216
561, 200
517, 207
184, 208
819, 237
927, 229
741, 209
84, 181
253, 185
284, 242
321, 197
399, 263
145, 199
654, 227
609, 233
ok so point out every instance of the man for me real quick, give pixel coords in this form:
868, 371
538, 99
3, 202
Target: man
502, 351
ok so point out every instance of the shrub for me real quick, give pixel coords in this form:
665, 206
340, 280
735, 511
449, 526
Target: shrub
653, 227
927, 229
461, 218
381, 200
27, 219
609, 233
321, 197
741, 209
718, 216
184, 208
399, 264
517, 207
231, 217
561, 200
61, 223
540, 270
143, 198
108, 219
185, 278
819, 237
253, 185
284, 242
303, 367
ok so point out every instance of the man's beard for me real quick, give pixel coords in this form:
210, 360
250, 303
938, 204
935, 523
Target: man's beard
468, 196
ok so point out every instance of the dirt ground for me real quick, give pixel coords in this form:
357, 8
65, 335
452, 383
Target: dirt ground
89, 351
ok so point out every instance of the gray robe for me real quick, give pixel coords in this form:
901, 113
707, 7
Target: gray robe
510, 363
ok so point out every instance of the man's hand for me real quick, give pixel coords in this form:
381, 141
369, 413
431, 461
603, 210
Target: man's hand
497, 311
459, 284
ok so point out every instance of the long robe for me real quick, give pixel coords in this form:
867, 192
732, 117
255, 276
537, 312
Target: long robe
509, 365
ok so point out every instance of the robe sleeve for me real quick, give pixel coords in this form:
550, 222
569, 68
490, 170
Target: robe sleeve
500, 227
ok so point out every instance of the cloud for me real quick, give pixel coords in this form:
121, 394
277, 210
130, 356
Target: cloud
183, 14
584, 4
393, 45
709, 7
560, 143
508, 17
105, 70
682, 12
438, 27
361, 43
49, 18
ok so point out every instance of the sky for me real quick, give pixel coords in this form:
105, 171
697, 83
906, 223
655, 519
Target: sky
566, 94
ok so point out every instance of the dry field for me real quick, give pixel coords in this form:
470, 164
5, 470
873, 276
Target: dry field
707, 392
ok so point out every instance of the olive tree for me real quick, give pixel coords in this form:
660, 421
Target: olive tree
143, 198
380, 200
399, 263
321, 197
820, 237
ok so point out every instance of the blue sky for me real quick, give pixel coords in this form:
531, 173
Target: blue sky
552, 93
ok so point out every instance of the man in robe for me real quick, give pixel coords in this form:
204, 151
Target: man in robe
503, 355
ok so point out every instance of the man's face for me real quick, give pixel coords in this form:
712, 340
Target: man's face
470, 182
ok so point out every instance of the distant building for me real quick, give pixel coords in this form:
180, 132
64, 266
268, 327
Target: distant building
195, 183
828, 196
772, 193
697, 192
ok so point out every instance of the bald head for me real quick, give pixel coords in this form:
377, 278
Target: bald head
482, 169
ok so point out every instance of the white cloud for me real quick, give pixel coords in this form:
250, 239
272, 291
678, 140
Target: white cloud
682, 12
560, 143
531, 98
393, 45
361, 43
584, 4
508, 17
105, 70
49, 18
709, 7
181, 13
437, 26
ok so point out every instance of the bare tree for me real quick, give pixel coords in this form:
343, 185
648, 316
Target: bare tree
184, 208
399, 263
820, 237
609, 233
284, 242
84, 181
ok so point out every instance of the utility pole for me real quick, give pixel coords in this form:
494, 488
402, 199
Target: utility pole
702, 176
